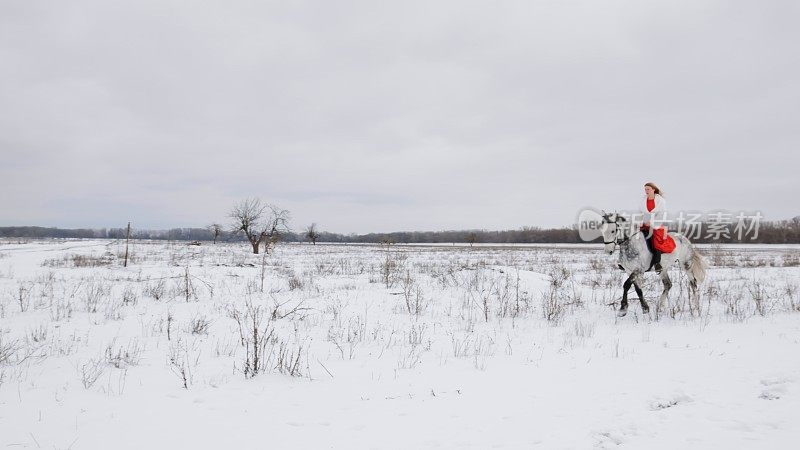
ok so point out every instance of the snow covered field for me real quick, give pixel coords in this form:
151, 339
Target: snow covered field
343, 346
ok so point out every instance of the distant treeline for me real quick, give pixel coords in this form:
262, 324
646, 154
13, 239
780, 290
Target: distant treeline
525, 235
176, 234
775, 232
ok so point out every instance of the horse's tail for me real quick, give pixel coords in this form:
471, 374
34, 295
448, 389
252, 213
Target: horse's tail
699, 266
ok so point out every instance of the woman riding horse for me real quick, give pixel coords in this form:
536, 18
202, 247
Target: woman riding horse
654, 211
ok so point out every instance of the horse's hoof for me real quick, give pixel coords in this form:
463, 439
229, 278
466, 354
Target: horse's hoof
622, 313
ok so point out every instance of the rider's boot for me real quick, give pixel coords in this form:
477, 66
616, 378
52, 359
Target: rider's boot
656, 263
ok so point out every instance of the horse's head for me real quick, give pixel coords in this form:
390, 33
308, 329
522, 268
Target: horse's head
613, 231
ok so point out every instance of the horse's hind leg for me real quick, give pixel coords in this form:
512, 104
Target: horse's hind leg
694, 295
623, 307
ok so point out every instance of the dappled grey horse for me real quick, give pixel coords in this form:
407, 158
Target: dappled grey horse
635, 259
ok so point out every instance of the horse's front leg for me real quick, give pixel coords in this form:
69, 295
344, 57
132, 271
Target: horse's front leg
623, 307
694, 296
645, 306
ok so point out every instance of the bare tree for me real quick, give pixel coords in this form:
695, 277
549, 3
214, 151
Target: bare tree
312, 234
246, 219
277, 221
260, 223
216, 230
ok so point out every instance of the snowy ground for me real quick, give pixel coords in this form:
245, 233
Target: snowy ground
405, 347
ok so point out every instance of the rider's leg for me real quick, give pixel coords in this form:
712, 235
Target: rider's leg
656, 260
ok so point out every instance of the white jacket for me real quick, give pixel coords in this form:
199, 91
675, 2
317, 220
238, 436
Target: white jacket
659, 213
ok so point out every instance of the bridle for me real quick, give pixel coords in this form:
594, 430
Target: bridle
617, 241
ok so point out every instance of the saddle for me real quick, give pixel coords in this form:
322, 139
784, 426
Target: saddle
655, 258
655, 254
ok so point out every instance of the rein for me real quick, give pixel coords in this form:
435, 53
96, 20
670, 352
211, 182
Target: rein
625, 239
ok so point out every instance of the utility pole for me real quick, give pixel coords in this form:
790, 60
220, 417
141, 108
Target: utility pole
127, 238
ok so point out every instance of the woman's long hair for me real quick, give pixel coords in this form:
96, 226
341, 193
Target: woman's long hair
655, 188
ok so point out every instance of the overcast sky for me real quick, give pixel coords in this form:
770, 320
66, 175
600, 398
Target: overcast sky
410, 115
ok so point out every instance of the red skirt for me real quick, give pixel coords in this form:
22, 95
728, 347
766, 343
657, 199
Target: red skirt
662, 241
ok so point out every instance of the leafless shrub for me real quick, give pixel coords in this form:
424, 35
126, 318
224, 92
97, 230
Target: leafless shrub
8, 349
478, 347
392, 265
199, 325
44, 286
95, 292
584, 331
133, 258
170, 319
114, 309
129, 297
443, 274
323, 267
289, 359
290, 308
472, 345
763, 298
417, 335
256, 334
480, 289
122, 357
61, 308
579, 334
91, 371
409, 358
483, 350
225, 347
333, 309
511, 300
461, 346
415, 302
263, 270
38, 334
720, 257
757, 293
156, 289
347, 338
74, 260
732, 299
179, 363
295, 282
792, 298
753, 261
23, 296
562, 293
552, 306
597, 264
184, 287
790, 259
